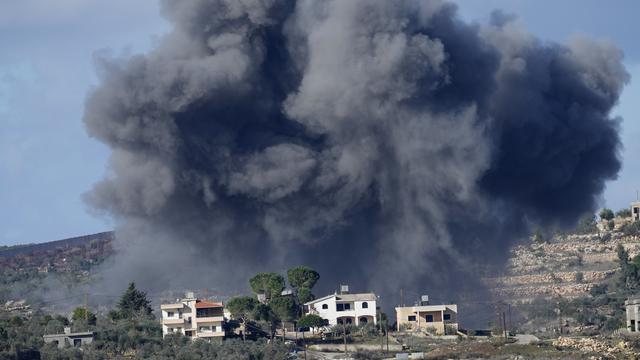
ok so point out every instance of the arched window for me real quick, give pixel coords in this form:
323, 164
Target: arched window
325, 306
365, 305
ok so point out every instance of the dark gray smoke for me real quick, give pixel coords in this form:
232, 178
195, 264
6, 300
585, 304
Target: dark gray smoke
386, 143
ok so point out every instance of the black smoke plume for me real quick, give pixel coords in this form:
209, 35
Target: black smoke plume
388, 144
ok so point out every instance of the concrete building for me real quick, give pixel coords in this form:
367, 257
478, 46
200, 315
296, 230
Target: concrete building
635, 210
78, 339
356, 309
633, 314
435, 319
193, 318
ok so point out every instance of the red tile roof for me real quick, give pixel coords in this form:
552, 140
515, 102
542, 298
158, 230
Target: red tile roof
206, 304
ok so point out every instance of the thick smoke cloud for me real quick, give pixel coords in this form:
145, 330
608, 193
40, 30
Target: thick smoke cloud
387, 143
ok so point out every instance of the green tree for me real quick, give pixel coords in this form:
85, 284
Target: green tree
606, 214
79, 316
311, 321
264, 313
133, 304
623, 213
270, 284
243, 308
305, 295
284, 308
302, 277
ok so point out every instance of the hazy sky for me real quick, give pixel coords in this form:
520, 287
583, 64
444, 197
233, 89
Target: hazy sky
47, 160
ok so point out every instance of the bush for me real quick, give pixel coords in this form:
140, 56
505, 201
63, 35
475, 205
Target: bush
632, 228
606, 214
623, 213
587, 225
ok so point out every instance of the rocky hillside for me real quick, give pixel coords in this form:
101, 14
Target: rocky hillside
567, 265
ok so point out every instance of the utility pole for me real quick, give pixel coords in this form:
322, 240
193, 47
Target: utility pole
504, 325
381, 334
86, 308
510, 325
386, 331
304, 345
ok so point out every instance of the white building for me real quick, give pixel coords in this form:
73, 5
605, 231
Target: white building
193, 318
356, 309
633, 314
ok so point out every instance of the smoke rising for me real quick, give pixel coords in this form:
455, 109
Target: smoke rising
386, 143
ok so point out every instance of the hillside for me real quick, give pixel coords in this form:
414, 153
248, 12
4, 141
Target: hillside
23, 269
567, 265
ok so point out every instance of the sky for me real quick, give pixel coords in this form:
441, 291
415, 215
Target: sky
47, 160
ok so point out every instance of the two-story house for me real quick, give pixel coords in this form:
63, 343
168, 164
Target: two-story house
437, 319
356, 309
193, 318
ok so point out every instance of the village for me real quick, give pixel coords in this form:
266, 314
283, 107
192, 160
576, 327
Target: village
284, 312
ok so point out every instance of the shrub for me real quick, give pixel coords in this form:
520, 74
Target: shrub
606, 214
623, 213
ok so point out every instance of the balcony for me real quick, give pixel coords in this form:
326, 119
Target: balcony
171, 306
172, 321
209, 334
210, 319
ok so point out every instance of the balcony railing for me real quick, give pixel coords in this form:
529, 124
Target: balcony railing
172, 321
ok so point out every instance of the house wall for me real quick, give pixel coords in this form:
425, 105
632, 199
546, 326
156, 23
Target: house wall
635, 210
64, 340
420, 322
331, 314
633, 316
190, 322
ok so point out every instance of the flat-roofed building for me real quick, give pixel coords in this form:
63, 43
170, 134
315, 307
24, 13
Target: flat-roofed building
632, 306
635, 210
77, 339
436, 319
193, 318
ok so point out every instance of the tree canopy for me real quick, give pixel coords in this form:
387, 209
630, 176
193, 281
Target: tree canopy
606, 214
302, 277
133, 303
79, 316
311, 321
305, 295
623, 213
268, 283
242, 307
284, 308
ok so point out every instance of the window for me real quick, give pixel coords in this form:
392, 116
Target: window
169, 330
58, 342
411, 318
365, 305
325, 306
429, 318
169, 313
339, 307
347, 306
77, 342
208, 312
205, 328
447, 317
